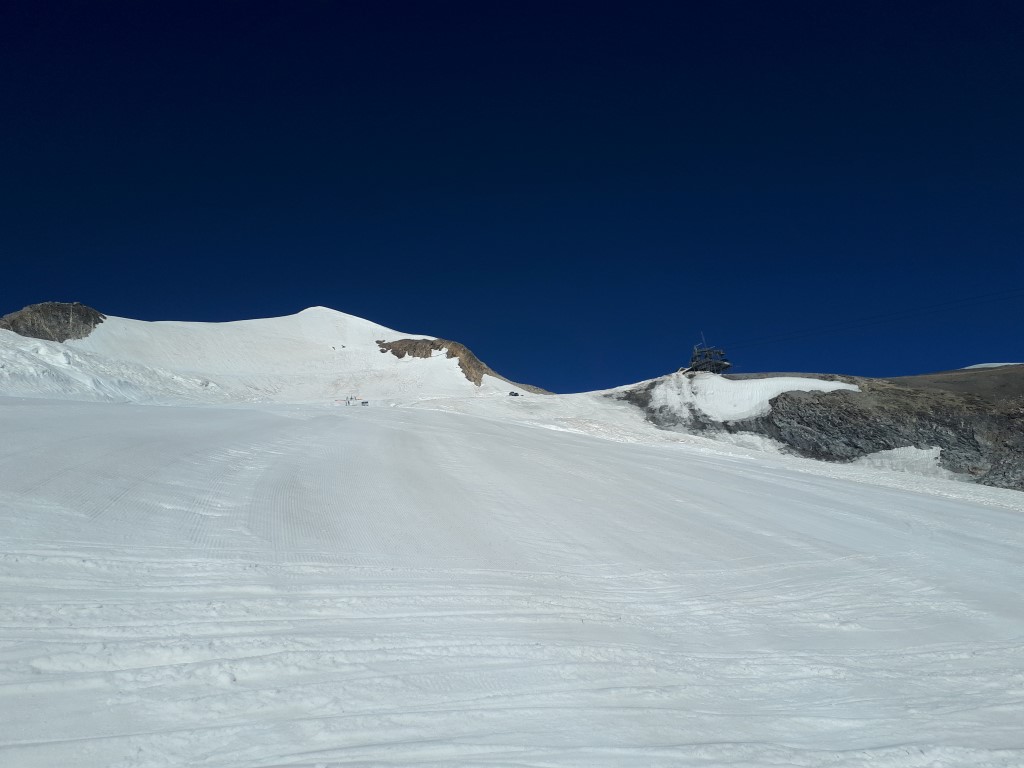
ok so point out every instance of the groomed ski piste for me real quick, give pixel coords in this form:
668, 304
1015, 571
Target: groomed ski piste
207, 561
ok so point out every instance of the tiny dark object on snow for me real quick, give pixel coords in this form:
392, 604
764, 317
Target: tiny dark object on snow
513, 394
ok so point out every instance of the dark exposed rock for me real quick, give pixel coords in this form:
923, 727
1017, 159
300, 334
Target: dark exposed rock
999, 384
640, 396
976, 438
472, 367
980, 432
53, 321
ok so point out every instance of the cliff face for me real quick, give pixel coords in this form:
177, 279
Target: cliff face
53, 321
977, 437
472, 367
976, 418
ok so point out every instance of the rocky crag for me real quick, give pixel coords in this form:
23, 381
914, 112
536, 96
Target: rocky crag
472, 367
975, 417
53, 321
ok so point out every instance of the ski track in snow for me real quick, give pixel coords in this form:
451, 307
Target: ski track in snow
390, 587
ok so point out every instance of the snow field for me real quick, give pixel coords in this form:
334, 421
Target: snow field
315, 356
300, 586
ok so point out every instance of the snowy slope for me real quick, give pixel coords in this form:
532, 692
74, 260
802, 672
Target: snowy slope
305, 586
315, 356
37, 368
470, 579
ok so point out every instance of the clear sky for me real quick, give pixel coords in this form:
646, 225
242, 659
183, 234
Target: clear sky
576, 190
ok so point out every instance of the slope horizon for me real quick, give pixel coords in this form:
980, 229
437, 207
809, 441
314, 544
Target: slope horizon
533, 370
576, 194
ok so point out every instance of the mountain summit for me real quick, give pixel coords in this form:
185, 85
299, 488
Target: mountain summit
316, 355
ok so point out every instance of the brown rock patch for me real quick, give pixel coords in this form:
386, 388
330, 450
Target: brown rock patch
53, 321
472, 367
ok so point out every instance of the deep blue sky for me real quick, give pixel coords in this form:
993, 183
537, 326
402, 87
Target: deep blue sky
574, 189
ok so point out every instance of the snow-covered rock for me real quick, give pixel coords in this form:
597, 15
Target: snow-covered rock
720, 399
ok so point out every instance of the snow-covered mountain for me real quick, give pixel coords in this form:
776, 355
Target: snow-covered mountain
965, 422
246, 576
316, 356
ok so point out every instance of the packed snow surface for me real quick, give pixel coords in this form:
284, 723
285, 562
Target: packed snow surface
467, 579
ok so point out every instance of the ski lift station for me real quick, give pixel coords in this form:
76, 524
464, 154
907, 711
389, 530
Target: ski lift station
706, 358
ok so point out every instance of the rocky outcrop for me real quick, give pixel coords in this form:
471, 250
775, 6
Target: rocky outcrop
472, 367
53, 321
998, 384
977, 437
978, 423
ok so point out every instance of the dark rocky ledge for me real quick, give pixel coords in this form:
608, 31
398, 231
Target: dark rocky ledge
472, 367
976, 418
53, 321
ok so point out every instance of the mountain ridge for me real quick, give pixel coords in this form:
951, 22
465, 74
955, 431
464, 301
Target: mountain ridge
975, 418
971, 419
270, 357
